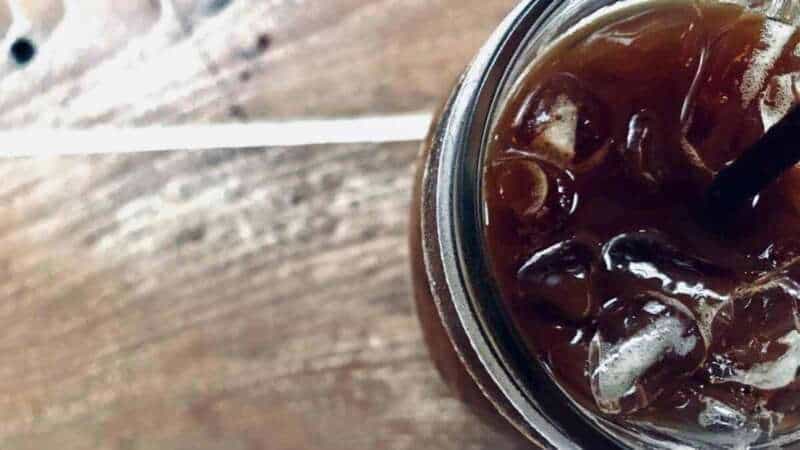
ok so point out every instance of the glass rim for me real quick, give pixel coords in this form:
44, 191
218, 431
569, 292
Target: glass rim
547, 410
549, 413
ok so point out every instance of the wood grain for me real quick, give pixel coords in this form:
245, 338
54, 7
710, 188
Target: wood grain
252, 58
225, 299
363, 56
218, 300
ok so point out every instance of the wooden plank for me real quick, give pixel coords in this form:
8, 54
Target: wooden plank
249, 58
106, 62
224, 299
347, 57
217, 300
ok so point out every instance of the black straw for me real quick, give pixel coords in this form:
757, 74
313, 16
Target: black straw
736, 184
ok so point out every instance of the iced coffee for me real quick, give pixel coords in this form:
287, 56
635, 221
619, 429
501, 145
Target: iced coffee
593, 220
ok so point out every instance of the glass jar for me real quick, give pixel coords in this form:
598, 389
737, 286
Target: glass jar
470, 340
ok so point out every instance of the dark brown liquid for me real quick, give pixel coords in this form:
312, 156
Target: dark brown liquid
592, 188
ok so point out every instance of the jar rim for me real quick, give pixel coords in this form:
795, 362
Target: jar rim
548, 412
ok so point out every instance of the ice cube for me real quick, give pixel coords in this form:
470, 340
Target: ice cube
718, 425
721, 123
556, 140
523, 185
536, 191
564, 123
763, 349
646, 260
766, 310
649, 256
774, 37
645, 161
774, 374
777, 98
721, 418
758, 349
562, 276
714, 417
732, 428
642, 347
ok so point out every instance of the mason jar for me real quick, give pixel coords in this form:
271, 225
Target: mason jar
469, 337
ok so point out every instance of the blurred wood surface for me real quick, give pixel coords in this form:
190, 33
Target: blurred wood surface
225, 299
219, 60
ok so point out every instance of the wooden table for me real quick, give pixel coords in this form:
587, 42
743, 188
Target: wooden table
224, 299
